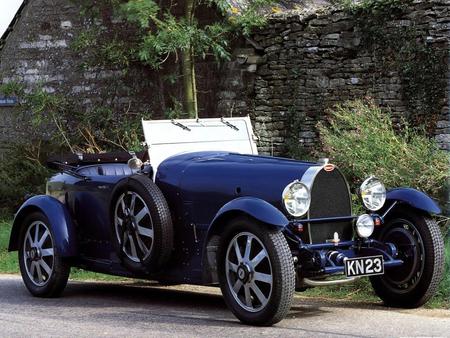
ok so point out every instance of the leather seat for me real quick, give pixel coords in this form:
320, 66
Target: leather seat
109, 169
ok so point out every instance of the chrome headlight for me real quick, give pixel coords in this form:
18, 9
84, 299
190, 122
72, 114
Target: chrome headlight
373, 193
296, 198
365, 226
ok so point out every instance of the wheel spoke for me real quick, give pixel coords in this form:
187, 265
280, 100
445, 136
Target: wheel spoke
124, 240
32, 268
47, 252
232, 267
263, 277
238, 252
30, 240
248, 297
36, 233
262, 299
237, 286
258, 258
133, 203
39, 272
122, 204
248, 248
145, 231
132, 246
43, 238
142, 246
45, 266
119, 221
141, 214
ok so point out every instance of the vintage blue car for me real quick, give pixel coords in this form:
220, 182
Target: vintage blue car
260, 227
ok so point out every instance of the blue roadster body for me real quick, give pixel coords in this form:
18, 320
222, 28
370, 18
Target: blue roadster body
209, 198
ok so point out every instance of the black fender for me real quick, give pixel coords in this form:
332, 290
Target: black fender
60, 222
411, 197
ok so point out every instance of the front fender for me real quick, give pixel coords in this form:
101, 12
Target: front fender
413, 198
256, 208
60, 222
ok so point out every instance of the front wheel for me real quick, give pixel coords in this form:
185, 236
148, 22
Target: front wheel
44, 271
421, 247
256, 272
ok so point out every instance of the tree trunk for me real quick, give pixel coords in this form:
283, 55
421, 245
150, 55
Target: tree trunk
188, 63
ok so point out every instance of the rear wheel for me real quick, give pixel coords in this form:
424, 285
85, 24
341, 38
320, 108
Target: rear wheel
256, 272
420, 245
44, 271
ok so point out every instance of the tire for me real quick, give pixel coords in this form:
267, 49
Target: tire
415, 282
142, 230
270, 258
44, 271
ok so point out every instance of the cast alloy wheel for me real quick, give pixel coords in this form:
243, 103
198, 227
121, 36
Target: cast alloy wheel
44, 271
38, 253
256, 271
134, 226
249, 275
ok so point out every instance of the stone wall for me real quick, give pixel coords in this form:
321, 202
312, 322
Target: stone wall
311, 61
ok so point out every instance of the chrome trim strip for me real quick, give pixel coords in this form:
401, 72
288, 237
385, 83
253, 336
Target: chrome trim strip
310, 175
308, 179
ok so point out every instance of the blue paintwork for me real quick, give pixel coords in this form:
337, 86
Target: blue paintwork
201, 189
60, 222
256, 208
413, 198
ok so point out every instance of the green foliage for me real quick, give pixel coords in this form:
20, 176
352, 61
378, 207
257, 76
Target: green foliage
164, 34
360, 138
152, 33
97, 130
55, 124
21, 173
112, 52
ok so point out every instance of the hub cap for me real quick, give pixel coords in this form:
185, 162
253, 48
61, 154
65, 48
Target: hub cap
134, 227
249, 272
38, 253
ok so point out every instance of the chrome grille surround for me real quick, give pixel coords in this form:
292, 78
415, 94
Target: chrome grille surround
330, 197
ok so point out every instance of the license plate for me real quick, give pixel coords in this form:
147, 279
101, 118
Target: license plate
364, 266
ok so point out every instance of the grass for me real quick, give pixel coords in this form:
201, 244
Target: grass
8, 260
358, 291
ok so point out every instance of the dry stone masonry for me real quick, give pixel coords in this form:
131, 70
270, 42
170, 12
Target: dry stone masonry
313, 60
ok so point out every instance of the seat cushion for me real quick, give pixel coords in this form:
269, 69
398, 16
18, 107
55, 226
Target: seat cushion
106, 169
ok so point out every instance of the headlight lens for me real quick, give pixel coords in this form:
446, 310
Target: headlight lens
296, 198
365, 226
373, 193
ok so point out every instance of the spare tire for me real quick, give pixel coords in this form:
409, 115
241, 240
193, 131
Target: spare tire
142, 225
